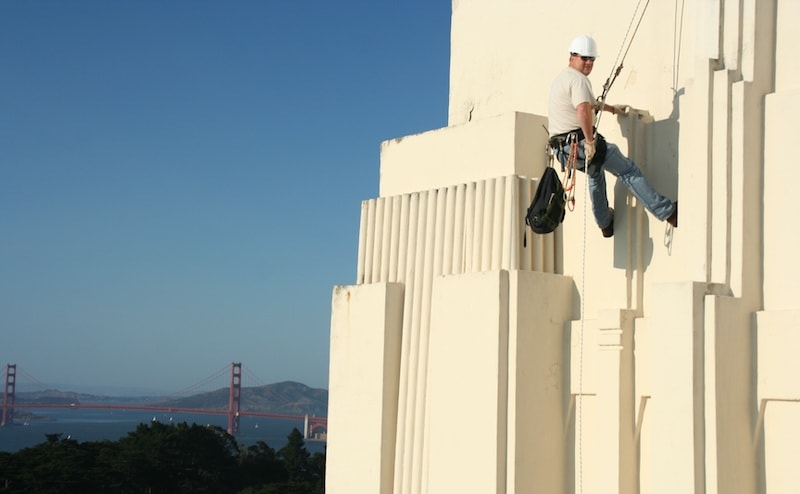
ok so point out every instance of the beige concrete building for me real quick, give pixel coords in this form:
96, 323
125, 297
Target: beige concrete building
472, 356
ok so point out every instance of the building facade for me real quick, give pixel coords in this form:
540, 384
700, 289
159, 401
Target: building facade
474, 356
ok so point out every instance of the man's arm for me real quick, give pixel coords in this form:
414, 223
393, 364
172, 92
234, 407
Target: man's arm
613, 109
585, 113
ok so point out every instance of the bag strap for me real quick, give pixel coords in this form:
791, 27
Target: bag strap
569, 169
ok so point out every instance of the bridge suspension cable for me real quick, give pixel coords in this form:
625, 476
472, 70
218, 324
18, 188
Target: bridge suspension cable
217, 380
251, 378
229, 377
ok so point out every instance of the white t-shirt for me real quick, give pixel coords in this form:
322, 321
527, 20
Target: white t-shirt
570, 88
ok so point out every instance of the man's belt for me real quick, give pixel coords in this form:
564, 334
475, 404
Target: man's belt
559, 140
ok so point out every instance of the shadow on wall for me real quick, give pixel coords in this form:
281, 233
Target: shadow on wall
655, 149
663, 150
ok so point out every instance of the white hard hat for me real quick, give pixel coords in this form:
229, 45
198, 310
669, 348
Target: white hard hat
584, 45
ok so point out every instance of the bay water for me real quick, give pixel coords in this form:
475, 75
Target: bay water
98, 425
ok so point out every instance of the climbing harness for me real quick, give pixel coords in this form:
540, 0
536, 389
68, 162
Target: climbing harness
555, 148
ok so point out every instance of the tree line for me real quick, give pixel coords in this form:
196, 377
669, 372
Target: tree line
161, 458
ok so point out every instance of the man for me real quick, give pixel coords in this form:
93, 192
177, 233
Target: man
571, 119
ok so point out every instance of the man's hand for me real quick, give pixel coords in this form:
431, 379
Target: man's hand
588, 149
621, 110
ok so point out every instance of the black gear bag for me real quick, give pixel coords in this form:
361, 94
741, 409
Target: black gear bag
548, 207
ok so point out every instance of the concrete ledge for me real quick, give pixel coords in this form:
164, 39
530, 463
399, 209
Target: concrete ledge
508, 144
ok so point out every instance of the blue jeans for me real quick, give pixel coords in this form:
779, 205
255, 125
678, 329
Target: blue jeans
626, 170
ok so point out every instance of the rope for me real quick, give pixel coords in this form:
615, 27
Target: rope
615, 71
583, 319
618, 62
677, 38
569, 175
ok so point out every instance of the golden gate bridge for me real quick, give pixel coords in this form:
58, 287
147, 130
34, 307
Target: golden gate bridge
313, 425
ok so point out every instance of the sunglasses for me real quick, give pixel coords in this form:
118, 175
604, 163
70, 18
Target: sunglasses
585, 59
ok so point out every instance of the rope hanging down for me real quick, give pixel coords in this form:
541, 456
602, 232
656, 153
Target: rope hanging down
601, 102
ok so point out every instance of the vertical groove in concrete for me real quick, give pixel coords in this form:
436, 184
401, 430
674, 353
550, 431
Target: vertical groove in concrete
465, 228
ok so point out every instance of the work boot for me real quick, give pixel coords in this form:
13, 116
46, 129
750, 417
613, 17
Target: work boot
609, 230
673, 218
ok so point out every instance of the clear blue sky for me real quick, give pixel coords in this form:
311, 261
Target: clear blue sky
181, 181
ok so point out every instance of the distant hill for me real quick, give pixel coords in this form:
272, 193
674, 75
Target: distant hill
288, 397
57, 397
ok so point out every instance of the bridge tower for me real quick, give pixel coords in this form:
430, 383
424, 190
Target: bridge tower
8, 395
313, 426
234, 398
